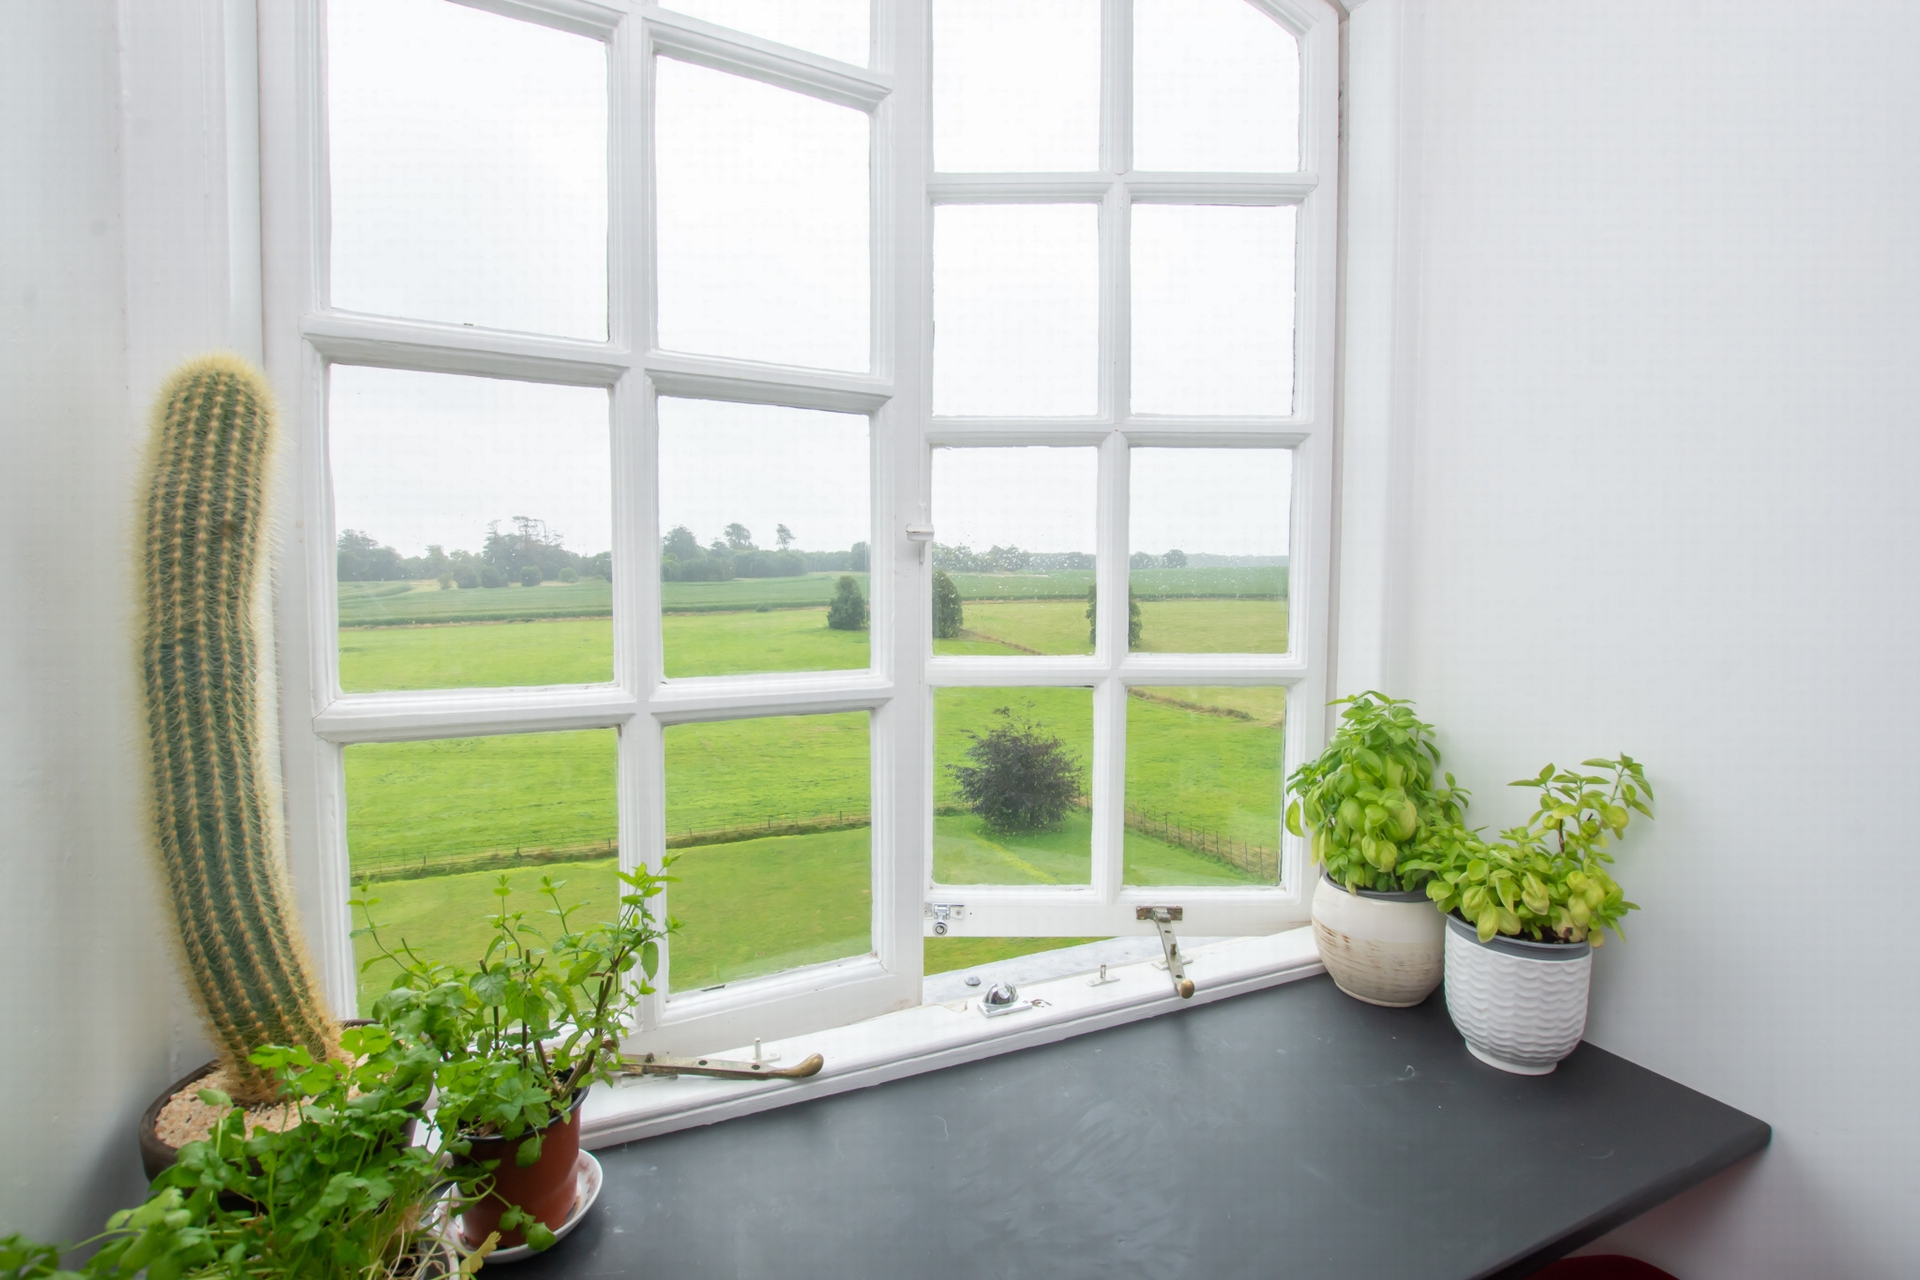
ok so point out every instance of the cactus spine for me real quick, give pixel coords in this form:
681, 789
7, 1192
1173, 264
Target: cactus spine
216, 803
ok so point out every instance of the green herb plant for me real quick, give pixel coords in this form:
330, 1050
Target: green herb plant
343, 1195
1547, 878
524, 1033
1375, 814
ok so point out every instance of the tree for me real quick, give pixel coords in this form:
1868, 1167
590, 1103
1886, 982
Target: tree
739, 537
1022, 778
948, 615
783, 536
1133, 616
1174, 559
859, 564
530, 576
848, 612
680, 543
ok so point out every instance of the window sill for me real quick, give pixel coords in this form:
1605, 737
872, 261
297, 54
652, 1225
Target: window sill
933, 1036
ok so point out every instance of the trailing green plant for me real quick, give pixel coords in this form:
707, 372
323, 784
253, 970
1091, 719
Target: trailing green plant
1547, 878
343, 1195
1021, 776
215, 802
1370, 801
526, 1030
949, 616
848, 610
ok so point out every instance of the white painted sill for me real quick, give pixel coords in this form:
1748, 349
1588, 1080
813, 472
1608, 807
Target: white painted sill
932, 1036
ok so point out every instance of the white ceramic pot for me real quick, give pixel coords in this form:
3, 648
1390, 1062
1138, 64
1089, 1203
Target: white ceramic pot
1384, 948
1521, 1005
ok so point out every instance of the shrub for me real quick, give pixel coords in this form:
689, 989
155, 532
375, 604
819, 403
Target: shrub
530, 576
1022, 777
466, 577
1133, 616
948, 616
848, 612
492, 577
569, 575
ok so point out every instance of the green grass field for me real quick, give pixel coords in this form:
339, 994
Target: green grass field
1207, 758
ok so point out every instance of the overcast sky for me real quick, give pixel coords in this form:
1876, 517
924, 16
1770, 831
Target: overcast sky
469, 186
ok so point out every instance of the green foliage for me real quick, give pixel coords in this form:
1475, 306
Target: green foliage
528, 1028
1133, 616
1022, 777
948, 615
530, 576
1547, 878
1370, 801
848, 611
339, 1196
216, 818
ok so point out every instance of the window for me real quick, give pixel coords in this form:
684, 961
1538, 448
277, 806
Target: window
624, 347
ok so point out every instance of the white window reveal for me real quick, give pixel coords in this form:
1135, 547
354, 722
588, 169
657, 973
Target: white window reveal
878, 455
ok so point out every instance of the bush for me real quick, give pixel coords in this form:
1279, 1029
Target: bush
530, 576
492, 577
848, 612
466, 577
1133, 616
1022, 778
569, 575
948, 615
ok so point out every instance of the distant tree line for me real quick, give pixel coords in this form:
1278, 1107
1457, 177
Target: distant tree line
734, 555
529, 553
997, 559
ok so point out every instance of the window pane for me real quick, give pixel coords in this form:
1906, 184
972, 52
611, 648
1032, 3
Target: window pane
431, 827
468, 167
1203, 785
1209, 538
1016, 85
837, 28
762, 219
1014, 550
1212, 309
1216, 87
1010, 786
770, 822
462, 504
763, 511
1016, 309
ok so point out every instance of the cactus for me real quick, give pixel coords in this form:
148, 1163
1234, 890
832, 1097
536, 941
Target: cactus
216, 804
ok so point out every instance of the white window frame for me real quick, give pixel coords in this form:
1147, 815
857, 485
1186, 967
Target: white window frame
304, 334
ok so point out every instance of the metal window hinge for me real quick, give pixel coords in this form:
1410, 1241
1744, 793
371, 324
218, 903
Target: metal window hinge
1162, 918
942, 913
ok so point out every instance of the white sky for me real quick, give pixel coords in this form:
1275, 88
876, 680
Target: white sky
469, 186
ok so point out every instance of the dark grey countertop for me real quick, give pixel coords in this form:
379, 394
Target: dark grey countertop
1291, 1132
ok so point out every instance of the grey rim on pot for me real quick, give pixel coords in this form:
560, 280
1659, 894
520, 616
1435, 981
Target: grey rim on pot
1525, 948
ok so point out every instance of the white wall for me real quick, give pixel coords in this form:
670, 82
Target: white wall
106, 106
1660, 372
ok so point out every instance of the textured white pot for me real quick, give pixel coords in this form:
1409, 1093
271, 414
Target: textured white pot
1521, 1005
1384, 948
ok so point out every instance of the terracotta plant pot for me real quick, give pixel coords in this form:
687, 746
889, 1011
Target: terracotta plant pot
546, 1188
1383, 948
1521, 1005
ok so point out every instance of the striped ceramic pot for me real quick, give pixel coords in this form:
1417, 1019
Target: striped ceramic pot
1521, 1005
1384, 948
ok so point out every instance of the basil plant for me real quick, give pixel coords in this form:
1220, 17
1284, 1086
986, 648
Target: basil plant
1376, 816
1547, 878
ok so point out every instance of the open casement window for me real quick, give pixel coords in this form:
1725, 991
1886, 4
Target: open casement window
655, 375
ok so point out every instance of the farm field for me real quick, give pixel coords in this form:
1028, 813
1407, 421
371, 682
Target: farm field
1199, 759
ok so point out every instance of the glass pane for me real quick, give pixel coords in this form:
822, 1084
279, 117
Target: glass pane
837, 28
764, 511
1203, 785
1016, 309
1011, 785
1216, 88
432, 826
1016, 85
1212, 309
770, 822
1013, 557
1209, 566
762, 221
468, 167
462, 504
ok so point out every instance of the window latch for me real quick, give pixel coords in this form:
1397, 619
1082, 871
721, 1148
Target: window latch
1163, 918
943, 914
920, 535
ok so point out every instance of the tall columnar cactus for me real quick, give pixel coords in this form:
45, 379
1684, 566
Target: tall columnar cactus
216, 802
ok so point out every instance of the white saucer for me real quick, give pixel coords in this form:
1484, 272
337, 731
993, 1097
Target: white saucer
586, 1181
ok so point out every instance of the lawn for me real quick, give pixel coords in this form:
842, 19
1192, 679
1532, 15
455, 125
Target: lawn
1166, 626
478, 655
726, 644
